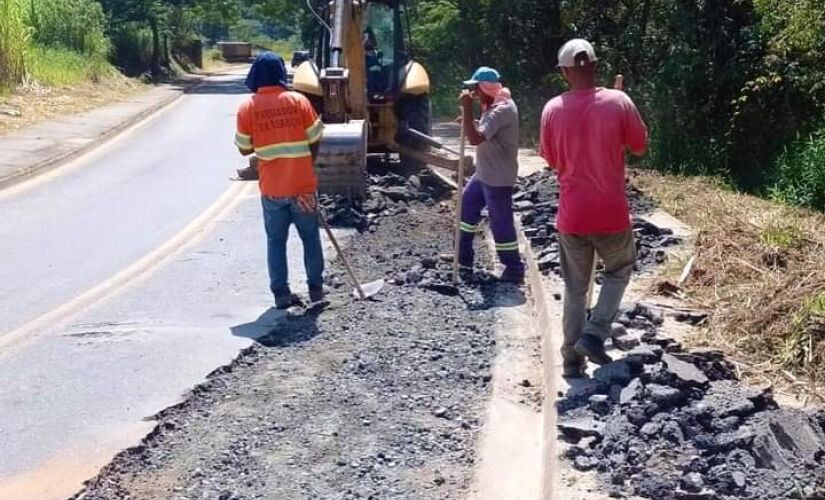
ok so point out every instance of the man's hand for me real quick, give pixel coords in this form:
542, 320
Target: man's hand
618, 83
465, 99
306, 202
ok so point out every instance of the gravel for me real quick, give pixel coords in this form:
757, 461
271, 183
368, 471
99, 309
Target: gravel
364, 400
388, 194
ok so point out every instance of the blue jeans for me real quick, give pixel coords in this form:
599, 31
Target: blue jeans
279, 214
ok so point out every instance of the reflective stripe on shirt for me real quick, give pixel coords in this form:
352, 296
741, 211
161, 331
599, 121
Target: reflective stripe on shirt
297, 149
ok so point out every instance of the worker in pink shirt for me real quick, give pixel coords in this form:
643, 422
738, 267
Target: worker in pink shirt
585, 134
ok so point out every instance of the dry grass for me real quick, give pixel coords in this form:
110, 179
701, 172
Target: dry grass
33, 103
760, 270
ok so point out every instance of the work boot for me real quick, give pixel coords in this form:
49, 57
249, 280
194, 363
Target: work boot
592, 347
467, 274
574, 368
510, 275
287, 300
316, 294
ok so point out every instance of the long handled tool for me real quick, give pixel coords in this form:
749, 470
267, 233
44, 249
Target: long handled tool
592, 281
459, 203
362, 292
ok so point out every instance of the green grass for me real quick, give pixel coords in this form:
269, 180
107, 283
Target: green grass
14, 36
212, 55
781, 237
808, 331
800, 173
61, 67
284, 48
78, 25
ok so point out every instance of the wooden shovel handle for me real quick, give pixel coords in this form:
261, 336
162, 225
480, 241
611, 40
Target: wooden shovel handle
341, 256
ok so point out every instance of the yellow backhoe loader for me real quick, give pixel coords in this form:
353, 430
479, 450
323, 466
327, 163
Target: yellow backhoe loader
371, 95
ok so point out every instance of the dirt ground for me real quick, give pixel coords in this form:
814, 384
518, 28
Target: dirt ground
33, 103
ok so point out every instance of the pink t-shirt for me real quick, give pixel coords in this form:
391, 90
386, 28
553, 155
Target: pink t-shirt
584, 136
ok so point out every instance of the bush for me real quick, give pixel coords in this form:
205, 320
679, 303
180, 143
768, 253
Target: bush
72, 24
800, 173
132, 48
13, 39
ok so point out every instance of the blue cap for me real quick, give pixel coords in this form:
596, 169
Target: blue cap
483, 74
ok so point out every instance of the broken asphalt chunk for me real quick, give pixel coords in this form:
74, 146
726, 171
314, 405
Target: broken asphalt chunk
685, 372
580, 428
720, 443
664, 396
617, 372
647, 353
600, 403
631, 392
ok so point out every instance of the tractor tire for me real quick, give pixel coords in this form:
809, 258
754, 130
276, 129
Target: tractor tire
416, 112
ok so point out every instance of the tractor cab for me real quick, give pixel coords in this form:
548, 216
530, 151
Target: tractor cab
385, 48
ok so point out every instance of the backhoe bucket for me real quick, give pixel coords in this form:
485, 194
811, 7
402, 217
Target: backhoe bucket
341, 165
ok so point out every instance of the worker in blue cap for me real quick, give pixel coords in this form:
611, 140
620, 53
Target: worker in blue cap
496, 137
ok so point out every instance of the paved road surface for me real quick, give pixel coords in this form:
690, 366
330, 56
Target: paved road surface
124, 280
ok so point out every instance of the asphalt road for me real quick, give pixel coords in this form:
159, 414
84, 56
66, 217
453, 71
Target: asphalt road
125, 278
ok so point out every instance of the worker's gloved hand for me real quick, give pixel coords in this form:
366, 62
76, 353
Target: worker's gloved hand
306, 202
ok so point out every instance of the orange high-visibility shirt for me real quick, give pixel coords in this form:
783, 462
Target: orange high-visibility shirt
279, 126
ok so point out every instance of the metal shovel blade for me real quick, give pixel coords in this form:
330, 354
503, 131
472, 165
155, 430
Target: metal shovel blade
370, 289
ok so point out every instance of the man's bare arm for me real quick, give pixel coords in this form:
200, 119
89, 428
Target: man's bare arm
474, 137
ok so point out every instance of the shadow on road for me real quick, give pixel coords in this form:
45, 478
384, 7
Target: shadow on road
276, 328
498, 294
226, 87
270, 320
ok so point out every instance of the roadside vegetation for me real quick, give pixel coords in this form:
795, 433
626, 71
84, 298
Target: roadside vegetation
759, 271
733, 89
66, 56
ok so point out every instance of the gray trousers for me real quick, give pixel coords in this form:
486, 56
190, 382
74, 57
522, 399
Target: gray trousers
577, 252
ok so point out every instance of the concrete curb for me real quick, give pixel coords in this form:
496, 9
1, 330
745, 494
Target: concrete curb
548, 363
509, 462
32, 171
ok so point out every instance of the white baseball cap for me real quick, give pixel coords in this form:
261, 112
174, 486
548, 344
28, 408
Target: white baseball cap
568, 53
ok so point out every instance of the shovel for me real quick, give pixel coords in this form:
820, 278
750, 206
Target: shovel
361, 292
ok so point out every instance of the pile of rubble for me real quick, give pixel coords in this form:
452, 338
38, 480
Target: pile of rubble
666, 423
537, 201
387, 195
